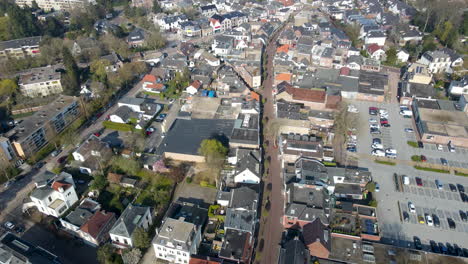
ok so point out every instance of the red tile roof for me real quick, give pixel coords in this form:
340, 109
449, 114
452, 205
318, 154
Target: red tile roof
196, 84
253, 96
373, 48
284, 48
150, 78
56, 185
97, 222
155, 86
114, 177
317, 96
284, 77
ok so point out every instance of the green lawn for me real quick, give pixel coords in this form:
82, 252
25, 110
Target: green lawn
413, 144
461, 174
118, 126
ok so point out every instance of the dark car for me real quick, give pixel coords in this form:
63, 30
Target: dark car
351, 149
458, 250
460, 188
423, 158
417, 243
464, 197
434, 247
376, 141
450, 249
62, 159
443, 161
406, 216
386, 125
463, 215
452, 187
373, 110
420, 144
465, 252
451, 223
419, 181
443, 248
436, 220
19, 229
39, 165
374, 131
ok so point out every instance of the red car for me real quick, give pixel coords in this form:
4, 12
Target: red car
423, 158
97, 134
419, 181
383, 121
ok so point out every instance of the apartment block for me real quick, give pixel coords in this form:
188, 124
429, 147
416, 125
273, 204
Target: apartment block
42, 81
20, 48
34, 132
56, 5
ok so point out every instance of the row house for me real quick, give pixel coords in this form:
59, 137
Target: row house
20, 48
221, 23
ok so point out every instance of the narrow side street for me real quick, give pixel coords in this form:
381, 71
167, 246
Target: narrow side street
273, 227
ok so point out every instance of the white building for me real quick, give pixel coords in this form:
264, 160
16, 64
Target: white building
176, 240
133, 217
42, 81
458, 88
56, 5
437, 61
375, 37
402, 56
247, 166
54, 194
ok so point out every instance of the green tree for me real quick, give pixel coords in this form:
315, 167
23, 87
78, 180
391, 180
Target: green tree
34, 5
141, 238
53, 27
106, 255
72, 75
370, 186
100, 182
391, 56
98, 69
213, 151
7, 87
155, 41
131, 256
156, 7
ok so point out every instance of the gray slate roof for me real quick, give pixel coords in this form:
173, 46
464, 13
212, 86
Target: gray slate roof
129, 220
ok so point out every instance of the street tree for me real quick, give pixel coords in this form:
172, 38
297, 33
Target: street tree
7, 87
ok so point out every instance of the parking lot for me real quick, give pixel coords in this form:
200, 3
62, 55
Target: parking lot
426, 198
395, 137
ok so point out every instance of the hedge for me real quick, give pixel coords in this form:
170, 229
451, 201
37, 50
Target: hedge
207, 184
329, 164
416, 158
431, 169
461, 174
117, 126
413, 144
391, 163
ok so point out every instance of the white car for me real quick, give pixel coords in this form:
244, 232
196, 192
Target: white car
390, 155
374, 126
391, 151
439, 147
352, 109
9, 225
429, 220
372, 120
411, 207
377, 146
378, 153
406, 180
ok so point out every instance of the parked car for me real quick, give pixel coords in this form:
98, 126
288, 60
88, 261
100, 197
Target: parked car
19, 229
463, 215
373, 110
439, 184
409, 130
419, 181
374, 131
377, 187
383, 121
376, 126
372, 120
429, 220
434, 247
406, 180
458, 250
386, 125
351, 149
377, 146
460, 188
436, 220
451, 223
452, 187
405, 216
421, 219
420, 144
39, 165
423, 158
376, 141
443, 248
443, 161
417, 243
411, 207
9, 225
439, 147
62, 159
55, 152
378, 153
464, 197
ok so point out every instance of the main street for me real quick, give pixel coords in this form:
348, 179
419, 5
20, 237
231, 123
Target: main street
273, 228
